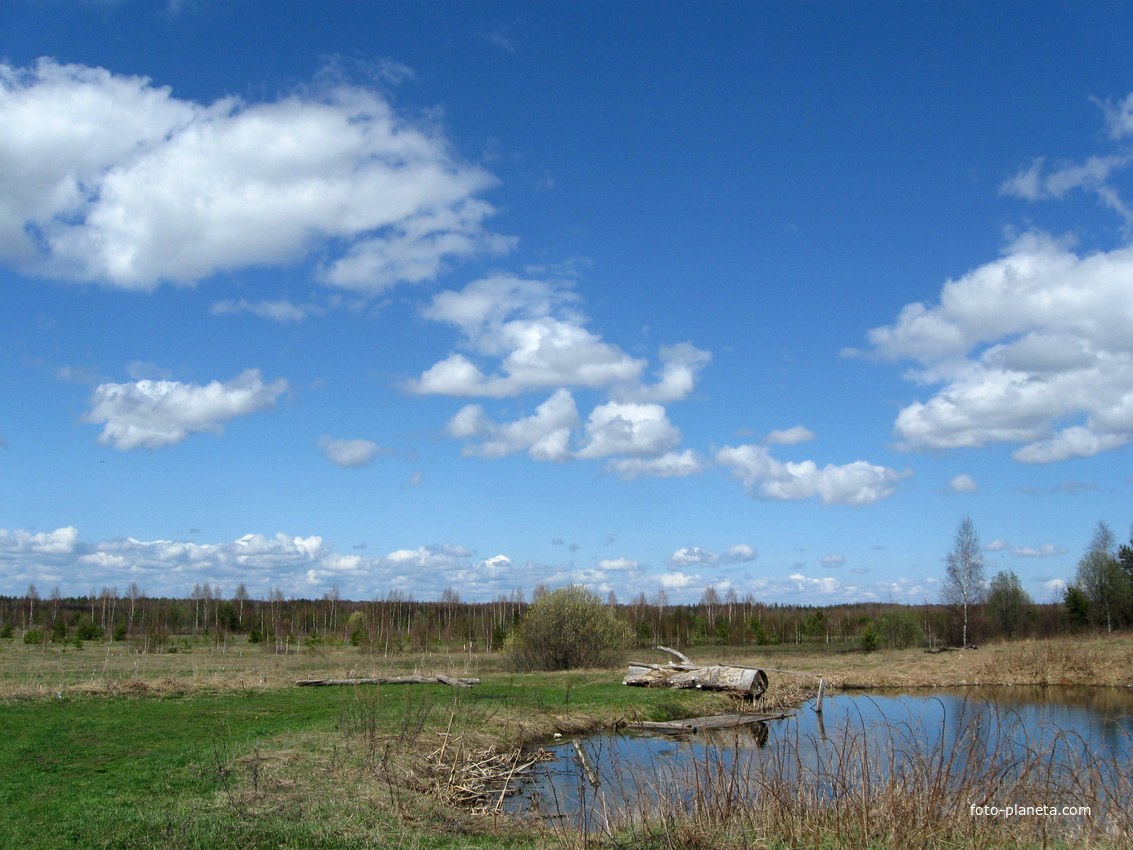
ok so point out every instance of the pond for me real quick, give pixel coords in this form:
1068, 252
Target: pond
989, 746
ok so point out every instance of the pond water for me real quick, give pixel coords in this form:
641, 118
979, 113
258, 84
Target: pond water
1067, 743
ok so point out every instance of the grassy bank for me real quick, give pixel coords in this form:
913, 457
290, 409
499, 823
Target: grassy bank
199, 748
1088, 660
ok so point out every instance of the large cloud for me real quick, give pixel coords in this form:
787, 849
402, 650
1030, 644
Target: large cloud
110, 178
1033, 347
150, 414
534, 336
1022, 347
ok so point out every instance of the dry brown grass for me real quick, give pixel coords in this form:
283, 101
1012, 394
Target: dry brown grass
1087, 660
112, 668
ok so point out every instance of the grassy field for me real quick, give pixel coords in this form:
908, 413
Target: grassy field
199, 748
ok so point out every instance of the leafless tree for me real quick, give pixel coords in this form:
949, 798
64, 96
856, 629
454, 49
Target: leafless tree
964, 575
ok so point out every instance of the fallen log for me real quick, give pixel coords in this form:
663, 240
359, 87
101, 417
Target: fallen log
392, 680
749, 681
699, 724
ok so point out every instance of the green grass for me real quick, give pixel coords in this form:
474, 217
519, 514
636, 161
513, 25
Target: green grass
121, 772
273, 768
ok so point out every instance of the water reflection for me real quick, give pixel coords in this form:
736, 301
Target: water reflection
972, 738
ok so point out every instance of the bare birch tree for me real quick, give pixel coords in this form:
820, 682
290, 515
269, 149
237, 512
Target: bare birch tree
964, 575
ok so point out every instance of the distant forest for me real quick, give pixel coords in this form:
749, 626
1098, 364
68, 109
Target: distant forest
399, 623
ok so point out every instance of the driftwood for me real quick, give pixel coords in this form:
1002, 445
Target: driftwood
392, 680
749, 681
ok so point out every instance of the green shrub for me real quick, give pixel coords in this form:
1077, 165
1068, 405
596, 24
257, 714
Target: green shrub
33, 636
870, 639
89, 630
6, 632
569, 628
760, 636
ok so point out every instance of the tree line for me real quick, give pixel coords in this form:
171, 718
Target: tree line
970, 609
398, 623
1100, 597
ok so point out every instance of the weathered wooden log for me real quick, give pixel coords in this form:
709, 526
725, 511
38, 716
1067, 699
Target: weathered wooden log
749, 681
684, 659
391, 680
696, 724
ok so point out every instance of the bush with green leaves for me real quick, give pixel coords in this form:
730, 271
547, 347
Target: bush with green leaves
870, 638
569, 628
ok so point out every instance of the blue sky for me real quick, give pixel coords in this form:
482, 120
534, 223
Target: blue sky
643, 296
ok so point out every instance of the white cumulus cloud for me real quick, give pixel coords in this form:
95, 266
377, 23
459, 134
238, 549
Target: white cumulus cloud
110, 178
857, 483
1032, 348
963, 484
522, 335
640, 430
150, 414
545, 435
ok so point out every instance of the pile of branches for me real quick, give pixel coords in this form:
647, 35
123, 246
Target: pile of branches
479, 780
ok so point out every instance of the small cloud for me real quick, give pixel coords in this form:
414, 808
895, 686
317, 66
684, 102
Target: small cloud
498, 40
739, 553
558, 541
1074, 487
618, 564
277, 311
1044, 551
678, 580
361, 545
1056, 588
833, 560
608, 540
350, 454
692, 555
860, 570
414, 479
997, 545
790, 436
963, 484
